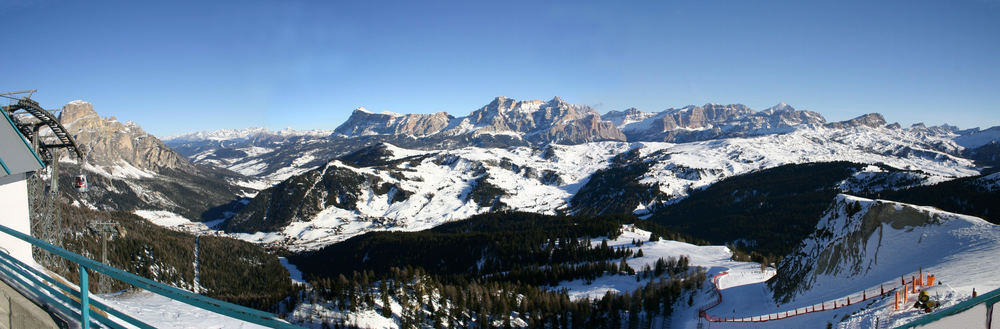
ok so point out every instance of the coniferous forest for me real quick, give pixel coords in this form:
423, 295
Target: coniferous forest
492, 269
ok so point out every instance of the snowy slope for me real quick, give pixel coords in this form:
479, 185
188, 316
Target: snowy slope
881, 239
862, 244
438, 183
163, 312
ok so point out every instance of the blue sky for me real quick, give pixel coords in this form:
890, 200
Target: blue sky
178, 67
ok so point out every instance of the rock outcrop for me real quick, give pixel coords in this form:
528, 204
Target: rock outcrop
364, 123
871, 120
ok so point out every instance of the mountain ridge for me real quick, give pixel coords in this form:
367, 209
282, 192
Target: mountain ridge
557, 121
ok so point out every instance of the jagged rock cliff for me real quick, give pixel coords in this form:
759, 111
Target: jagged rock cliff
129, 169
533, 120
108, 141
364, 123
872, 120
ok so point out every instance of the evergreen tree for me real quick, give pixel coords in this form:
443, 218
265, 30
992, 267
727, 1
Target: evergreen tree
386, 305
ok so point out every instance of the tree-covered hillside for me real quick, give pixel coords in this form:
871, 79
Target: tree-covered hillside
230, 269
769, 211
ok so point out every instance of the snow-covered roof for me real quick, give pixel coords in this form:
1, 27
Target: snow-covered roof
16, 156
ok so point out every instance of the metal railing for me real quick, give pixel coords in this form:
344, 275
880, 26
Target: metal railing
989, 299
59, 294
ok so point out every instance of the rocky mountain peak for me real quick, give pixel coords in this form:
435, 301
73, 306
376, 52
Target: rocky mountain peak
110, 143
872, 120
76, 110
499, 104
780, 107
363, 122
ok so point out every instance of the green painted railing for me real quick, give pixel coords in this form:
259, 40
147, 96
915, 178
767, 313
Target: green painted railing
988, 298
57, 296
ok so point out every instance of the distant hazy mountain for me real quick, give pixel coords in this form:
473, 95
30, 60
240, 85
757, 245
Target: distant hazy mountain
247, 133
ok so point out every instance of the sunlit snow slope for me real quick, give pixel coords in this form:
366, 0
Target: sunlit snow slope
860, 244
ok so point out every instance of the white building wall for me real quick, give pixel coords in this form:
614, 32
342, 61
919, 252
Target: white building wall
14, 214
973, 318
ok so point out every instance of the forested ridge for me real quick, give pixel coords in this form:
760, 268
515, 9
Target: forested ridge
963, 195
481, 245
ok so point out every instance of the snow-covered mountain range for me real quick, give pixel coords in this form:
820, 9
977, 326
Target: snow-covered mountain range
386, 170
389, 187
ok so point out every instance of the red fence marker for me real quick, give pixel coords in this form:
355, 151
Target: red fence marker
901, 295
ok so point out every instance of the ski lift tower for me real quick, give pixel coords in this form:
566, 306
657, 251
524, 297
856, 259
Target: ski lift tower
24, 149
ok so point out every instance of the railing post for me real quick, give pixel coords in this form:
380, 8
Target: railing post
84, 298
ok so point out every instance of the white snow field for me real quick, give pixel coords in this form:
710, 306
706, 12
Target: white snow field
153, 309
162, 312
